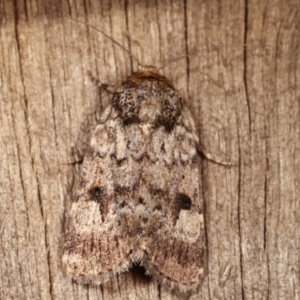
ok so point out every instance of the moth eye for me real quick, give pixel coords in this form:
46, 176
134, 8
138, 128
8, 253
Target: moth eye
96, 193
184, 202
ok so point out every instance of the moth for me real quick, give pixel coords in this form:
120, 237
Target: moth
139, 198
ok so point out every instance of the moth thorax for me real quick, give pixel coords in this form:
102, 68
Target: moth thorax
148, 68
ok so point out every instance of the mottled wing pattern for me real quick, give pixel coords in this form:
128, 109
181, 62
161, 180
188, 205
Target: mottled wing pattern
139, 198
96, 244
171, 243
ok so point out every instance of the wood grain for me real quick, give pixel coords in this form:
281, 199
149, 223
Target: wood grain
243, 88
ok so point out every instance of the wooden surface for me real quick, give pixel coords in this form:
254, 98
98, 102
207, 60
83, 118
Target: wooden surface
246, 101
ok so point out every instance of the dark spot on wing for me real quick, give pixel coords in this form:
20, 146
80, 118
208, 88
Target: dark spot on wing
184, 202
96, 193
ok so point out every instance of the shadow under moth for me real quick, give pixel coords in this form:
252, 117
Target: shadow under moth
138, 199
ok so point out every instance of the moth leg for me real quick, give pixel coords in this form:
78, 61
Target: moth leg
212, 158
112, 88
109, 88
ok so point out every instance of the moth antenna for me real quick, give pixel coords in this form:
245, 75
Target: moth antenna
176, 59
114, 41
194, 53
